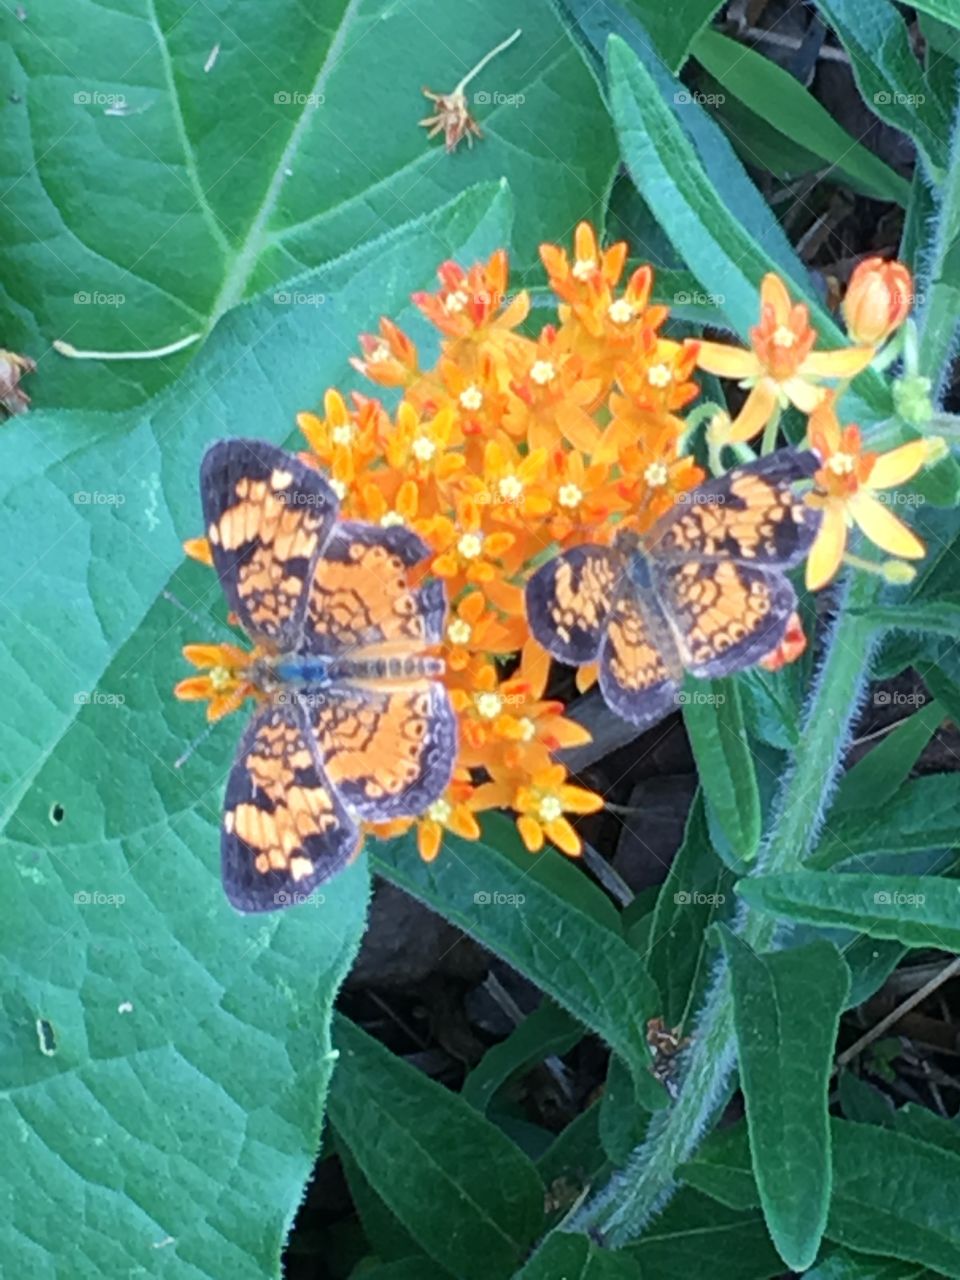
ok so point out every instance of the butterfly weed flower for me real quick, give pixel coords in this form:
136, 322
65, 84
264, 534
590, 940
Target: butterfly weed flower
781, 366
848, 490
518, 445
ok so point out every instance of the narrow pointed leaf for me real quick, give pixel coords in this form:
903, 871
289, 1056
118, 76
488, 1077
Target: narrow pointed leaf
787, 1007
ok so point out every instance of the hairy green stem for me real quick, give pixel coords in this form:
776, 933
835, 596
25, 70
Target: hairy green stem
620, 1212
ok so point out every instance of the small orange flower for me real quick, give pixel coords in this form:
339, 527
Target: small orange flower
541, 805
455, 811
470, 303
553, 395
845, 492
473, 627
782, 367
227, 684
423, 448
654, 477
591, 274
878, 300
466, 551
389, 359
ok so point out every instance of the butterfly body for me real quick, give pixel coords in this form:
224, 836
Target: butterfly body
352, 724
704, 591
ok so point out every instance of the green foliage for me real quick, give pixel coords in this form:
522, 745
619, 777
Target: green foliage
252, 179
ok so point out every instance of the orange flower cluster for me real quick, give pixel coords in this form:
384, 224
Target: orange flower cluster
512, 445
506, 448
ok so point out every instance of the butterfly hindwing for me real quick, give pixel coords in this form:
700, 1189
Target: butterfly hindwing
285, 828
267, 516
725, 615
568, 601
751, 515
360, 594
635, 679
389, 752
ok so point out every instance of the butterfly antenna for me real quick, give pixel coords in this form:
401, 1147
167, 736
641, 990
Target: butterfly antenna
201, 737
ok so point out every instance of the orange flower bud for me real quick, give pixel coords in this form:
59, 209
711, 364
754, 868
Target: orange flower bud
877, 301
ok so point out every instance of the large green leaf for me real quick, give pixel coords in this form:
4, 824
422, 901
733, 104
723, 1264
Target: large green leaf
463, 1190
782, 101
786, 1008
921, 814
693, 1237
891, 80
183, 1047
674, 29
706, 231
183, 157
513, 903
919, 911
892, 1194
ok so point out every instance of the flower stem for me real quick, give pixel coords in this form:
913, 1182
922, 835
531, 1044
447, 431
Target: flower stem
504, 44
634, 1195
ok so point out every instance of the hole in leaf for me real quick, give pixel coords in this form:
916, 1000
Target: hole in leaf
57, 814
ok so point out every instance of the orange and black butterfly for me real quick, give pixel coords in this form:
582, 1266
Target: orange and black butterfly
353, 724
704, 591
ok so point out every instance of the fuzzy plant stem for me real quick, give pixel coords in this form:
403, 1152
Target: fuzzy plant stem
619, 1213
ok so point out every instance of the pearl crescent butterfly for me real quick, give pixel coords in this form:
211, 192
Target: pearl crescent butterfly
353, 724
705, 591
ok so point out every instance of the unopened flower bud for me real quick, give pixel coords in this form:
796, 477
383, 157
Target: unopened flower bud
877, 301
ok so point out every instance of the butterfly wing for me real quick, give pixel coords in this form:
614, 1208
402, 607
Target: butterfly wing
568, 601
751, 515
725, 615
267, 516
639, 668
388, 751
361, 597
285, 829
